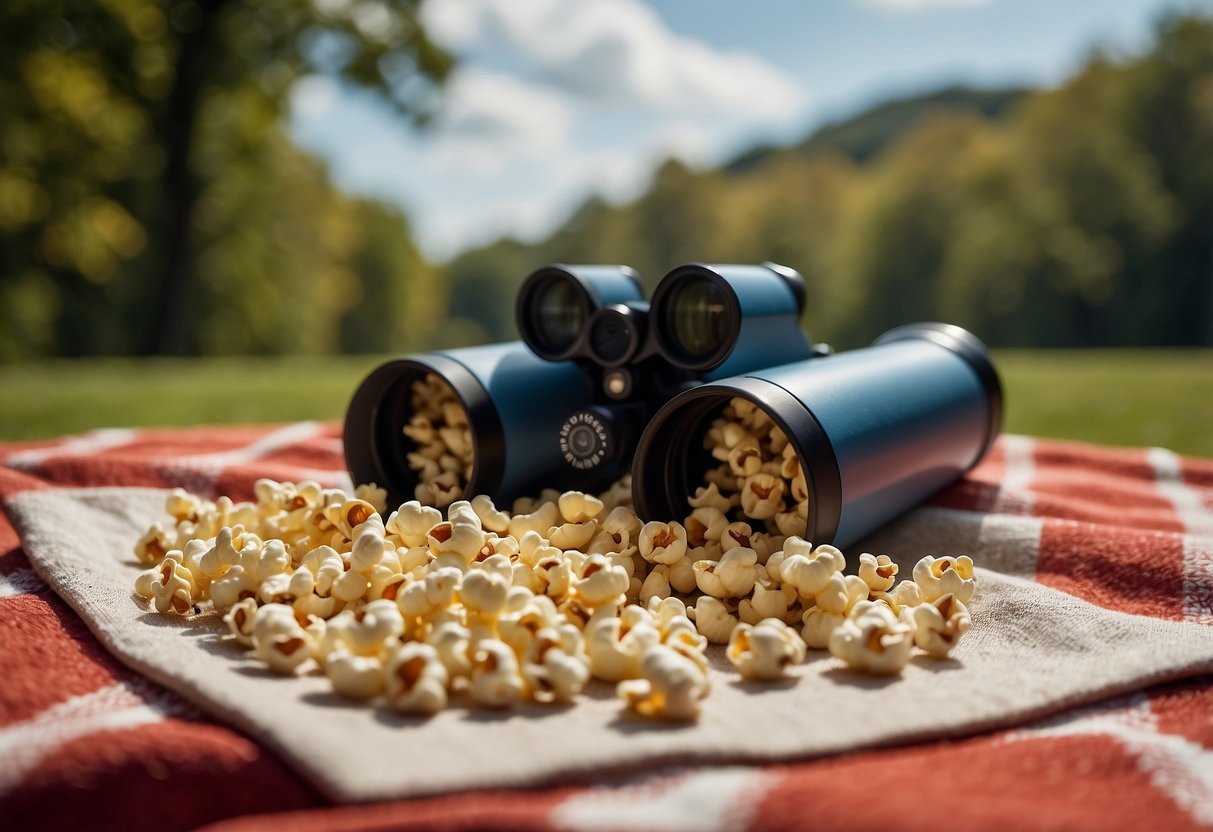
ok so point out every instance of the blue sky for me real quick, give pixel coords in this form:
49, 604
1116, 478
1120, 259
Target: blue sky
556, 99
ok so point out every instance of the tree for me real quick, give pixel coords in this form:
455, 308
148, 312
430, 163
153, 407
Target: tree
122, 115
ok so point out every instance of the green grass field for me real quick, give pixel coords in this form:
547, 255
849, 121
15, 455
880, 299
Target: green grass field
1121, 397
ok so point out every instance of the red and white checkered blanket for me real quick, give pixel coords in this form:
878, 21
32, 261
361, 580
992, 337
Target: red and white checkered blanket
85, 742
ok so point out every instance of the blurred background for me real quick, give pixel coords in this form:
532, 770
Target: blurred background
230, 210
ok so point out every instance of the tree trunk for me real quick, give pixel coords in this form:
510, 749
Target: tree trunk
168, 333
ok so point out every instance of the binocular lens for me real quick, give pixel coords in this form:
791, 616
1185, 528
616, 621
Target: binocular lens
697, 315
558, 314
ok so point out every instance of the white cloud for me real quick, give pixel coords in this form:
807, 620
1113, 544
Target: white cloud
488, 119
551, 101
921, 5
619, 52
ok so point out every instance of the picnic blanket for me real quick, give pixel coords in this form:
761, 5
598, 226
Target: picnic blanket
1126, 534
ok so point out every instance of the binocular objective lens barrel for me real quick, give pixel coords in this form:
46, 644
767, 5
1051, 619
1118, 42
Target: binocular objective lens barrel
558, 314
719, 320
556, 304
871, 433
698, 319
443, 426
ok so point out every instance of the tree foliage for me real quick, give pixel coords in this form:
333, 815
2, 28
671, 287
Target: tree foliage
1081, 215
149, 200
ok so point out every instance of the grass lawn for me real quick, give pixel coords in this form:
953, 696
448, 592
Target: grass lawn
1122, 397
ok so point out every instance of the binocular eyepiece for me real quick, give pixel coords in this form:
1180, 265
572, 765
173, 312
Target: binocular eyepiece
601, 376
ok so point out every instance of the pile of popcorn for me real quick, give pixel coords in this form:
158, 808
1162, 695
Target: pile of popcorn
445, 450
533, 603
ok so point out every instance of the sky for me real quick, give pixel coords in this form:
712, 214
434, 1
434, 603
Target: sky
553, 101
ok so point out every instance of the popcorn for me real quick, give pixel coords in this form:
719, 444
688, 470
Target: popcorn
809, 573
412, 522
764, 652
939, 625
307, 606
937, 577
367, 631
326, 566
876, 641
551, 673
350, 586
172, 588
278, 639
233, 586
769, 600
372, 494
762, 496
819, 625
539, 520
709, 496
745, 458
614, 650
415, 679
354, 676
705, 524
436, 592
734, 535
576, 507
518, 627
441, 490
369, 551
495, 675
223, 555
462, 539
670, 686
736, 571
490, 517
483, 595
276, 589
713, 619
663, 542
536, 603
877, 571
452, 644
679, 634
682, 574
656, 585
600, 581
572, 535
239, 620
350, 514
439, 428
152, 547
841, 593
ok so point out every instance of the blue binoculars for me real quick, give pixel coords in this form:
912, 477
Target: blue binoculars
604, 382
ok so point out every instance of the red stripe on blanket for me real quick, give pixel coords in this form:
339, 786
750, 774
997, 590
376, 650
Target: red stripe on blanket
48, 656
496, 810
14, 482
1186, 709
172, 774
1079, 783
1128, 570
89, 471
1100, 485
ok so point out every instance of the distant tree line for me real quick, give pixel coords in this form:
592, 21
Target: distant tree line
1079, 216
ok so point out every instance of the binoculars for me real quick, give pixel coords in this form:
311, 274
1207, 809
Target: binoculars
604, 382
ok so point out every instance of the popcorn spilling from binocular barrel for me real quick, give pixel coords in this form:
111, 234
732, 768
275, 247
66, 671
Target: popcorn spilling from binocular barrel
478, 606
445, 452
